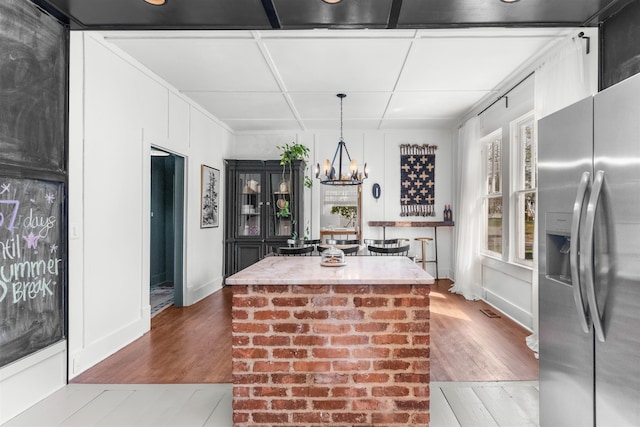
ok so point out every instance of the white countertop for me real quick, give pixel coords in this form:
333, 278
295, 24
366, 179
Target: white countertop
360, 270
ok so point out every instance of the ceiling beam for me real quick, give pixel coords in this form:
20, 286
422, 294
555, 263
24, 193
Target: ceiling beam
272, 15
44, 5
394, 14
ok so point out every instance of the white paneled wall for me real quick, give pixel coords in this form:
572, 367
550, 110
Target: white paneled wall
381, 151
508, 288
118, 110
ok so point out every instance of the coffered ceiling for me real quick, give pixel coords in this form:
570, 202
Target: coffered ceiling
278, 64
288, 80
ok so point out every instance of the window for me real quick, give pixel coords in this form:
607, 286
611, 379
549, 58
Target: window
525, 182
493, 192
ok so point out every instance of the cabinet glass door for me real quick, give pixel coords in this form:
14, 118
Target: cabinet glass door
280, 208
250, 203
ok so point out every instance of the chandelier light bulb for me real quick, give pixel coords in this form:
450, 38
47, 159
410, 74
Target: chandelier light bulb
353, 167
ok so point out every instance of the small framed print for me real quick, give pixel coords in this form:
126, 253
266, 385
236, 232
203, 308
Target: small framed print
209, 191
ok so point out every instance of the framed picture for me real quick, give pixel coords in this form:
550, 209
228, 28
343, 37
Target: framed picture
209, 190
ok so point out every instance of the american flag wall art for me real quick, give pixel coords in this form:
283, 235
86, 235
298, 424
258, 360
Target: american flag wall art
417, 179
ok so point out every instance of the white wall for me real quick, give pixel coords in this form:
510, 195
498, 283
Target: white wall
29, 380
381, 151
118, 110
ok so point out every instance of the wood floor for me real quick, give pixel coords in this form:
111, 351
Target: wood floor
467, 345
192, 345
186, 345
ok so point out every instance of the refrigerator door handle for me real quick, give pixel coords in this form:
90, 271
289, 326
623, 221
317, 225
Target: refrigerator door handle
574, 251
587, 253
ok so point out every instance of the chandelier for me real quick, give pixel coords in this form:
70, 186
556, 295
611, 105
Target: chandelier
350, 174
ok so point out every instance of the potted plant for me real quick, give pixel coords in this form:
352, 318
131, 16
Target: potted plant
291, 152
284, 210
288, 154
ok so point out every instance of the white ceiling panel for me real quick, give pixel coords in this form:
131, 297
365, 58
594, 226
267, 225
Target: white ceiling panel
465, 63
244, 105
192, 64
356, 105
335, 65
348, 124
418, 105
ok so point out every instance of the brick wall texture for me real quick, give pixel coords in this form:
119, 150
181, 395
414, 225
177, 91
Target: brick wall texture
341, 355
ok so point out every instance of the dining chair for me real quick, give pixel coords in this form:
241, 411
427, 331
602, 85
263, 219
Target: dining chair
382, 242
302, 242
385, 243
295, 251
353, 250
388, 251
299, 243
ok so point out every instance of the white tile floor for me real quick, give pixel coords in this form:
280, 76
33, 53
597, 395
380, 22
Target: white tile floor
455, 404
484, 404
138, 405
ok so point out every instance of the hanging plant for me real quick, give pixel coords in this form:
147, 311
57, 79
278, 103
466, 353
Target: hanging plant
284, 211
288, 154
291, 152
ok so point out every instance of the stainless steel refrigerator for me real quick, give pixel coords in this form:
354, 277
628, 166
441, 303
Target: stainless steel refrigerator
589, 261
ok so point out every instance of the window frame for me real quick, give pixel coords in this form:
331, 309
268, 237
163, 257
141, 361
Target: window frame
517, 170
486, 142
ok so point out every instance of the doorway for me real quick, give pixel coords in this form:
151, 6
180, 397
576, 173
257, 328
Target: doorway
167, 230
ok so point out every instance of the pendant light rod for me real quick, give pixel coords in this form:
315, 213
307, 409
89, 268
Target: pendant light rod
342, 96
341, 143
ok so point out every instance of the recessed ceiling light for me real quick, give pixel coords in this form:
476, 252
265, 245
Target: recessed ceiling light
332, 1
509, 1
156, 2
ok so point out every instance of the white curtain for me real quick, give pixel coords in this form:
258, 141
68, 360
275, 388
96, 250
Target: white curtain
560, 81
469, 217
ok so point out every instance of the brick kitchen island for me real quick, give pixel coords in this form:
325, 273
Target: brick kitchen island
339, 346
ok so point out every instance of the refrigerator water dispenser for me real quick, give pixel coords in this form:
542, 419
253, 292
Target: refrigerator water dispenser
558, 243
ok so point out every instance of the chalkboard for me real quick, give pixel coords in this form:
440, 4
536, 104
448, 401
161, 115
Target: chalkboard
32, 290
33, 87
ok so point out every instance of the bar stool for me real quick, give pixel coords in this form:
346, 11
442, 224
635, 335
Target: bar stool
423, 260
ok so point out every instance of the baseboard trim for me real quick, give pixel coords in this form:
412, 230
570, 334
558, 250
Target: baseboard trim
99, 350
515, 313
27, 362
196, 294
27, 381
